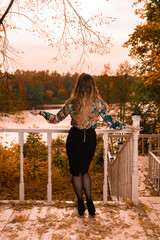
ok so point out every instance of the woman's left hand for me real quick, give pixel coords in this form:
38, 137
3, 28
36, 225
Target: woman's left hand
35, 112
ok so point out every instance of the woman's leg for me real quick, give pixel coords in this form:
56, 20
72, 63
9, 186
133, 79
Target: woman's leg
86, 183
77, 185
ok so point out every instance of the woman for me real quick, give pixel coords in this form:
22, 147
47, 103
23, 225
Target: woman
84, 106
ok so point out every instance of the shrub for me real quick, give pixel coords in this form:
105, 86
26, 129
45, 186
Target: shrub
9, 165
59, 156
35, 156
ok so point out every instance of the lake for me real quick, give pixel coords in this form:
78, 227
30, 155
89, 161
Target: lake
26, 120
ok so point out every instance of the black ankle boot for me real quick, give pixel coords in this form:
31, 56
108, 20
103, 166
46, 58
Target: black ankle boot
91, 208
81, 207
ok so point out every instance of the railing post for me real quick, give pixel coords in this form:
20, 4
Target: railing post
105, 150
136, 123
142, 146
149, 164
49, 184
158, 142
150, 144
21, 185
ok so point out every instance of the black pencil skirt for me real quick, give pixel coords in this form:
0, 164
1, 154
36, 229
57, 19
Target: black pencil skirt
80, 146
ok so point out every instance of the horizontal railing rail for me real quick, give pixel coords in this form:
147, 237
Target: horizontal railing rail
62, 130
154, 170
106, 133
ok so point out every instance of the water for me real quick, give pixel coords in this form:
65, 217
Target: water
26, 120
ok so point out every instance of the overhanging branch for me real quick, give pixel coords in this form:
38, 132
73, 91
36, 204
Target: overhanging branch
7, 10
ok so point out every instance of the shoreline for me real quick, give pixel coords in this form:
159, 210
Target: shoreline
48, 106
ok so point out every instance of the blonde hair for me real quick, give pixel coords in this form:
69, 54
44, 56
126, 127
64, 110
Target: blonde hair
83, 96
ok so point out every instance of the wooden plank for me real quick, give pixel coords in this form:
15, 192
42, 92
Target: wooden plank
5, 217
30, 224
2, 209
47, 235
22, 223
34, 213
39, 223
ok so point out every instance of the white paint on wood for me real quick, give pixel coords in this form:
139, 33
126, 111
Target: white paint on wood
136, 123
21, 185
49, 185
105, 144
154, 170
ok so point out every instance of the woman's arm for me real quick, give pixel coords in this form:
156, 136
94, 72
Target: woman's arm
112, 123
52, 118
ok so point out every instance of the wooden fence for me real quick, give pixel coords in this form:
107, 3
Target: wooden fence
148, 142
154, 169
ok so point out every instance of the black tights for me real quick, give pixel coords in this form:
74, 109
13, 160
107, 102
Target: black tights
80, 183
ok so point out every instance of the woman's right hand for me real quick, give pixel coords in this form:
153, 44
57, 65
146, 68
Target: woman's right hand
35, 112
134, 128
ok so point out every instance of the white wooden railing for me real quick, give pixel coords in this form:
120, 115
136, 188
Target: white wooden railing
154, 171
105, 132
119, 172
149, 139
123, 170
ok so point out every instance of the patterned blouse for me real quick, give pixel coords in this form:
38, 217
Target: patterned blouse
92, 121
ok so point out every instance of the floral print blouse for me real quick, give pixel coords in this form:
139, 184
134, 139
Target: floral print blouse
92, 121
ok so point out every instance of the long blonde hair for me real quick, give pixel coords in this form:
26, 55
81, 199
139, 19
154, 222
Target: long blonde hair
83, 96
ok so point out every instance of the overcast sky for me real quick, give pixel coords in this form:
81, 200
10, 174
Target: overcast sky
37, 55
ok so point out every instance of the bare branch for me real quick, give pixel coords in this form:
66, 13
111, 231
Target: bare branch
6, 12
83, 22
37, 26
73, 29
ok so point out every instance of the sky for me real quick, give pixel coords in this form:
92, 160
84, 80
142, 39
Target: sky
37, 54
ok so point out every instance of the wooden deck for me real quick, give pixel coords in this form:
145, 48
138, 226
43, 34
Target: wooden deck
60, 220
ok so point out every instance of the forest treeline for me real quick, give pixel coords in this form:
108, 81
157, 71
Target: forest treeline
26, 89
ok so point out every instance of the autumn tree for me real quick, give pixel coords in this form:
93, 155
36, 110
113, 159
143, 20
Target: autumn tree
145, 42
145, 47
105, 83
123, 87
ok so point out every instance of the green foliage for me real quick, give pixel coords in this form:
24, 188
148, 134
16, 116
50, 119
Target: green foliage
9, 100
35, 156
124, 87
98, 157
99, 154
37, 92
105, 86
34, 147
149, 112
59, 156
117, 88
